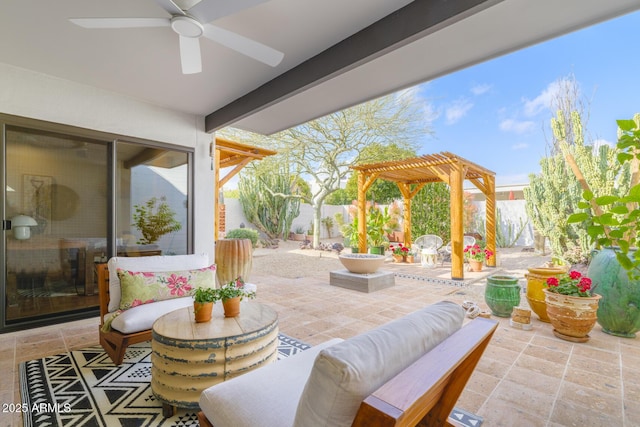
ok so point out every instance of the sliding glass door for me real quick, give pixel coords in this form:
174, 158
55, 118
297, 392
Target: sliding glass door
56, 221
72, 199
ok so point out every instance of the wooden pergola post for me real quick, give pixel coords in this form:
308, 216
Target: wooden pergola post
490, 194
362, 214
456, 203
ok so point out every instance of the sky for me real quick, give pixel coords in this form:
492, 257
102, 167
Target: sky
496, 114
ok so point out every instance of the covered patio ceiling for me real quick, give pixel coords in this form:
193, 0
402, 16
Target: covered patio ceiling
414, 173
336, 53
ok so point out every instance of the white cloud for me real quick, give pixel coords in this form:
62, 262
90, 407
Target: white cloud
600, 142
520, 146
548, 96
457, 110
480, 89
516, 126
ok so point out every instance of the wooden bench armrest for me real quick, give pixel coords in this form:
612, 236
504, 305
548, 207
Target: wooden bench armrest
425, 393
103, 290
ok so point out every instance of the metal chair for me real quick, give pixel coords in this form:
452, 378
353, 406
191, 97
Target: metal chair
428, 241
446, 250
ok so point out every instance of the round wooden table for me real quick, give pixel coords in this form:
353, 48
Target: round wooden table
188, 357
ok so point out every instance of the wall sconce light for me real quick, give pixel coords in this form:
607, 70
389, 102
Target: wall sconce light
21, 226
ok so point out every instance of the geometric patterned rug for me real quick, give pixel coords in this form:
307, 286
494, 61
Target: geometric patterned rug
84, 388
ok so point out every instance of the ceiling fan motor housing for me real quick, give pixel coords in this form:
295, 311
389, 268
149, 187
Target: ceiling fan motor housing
186, 26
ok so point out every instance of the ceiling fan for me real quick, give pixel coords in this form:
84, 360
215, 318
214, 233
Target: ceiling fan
192, 24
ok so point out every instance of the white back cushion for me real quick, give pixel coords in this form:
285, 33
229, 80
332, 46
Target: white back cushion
150, 264
347, 372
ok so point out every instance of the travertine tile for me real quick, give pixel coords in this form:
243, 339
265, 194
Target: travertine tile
568, 413
593, 399
538, 381
590, 379
498, 413
522, 397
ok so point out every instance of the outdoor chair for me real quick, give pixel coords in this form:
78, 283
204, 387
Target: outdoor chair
445, 252
407, 372
121, 326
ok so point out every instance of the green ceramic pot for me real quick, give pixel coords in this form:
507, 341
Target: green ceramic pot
502, 294
619, 308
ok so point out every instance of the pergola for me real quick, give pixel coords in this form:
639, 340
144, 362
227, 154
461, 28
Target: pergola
237, 155
411, 175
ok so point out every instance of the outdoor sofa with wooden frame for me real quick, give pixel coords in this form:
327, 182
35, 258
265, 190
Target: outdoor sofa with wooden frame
408, 372
134, 325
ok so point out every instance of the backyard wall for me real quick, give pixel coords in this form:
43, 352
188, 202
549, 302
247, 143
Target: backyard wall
511, 211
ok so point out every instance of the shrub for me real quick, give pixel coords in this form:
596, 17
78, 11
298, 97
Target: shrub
244, 233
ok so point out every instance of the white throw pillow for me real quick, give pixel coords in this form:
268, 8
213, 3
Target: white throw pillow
149, 263
344, 374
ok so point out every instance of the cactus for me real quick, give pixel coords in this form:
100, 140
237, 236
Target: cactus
554, 194
269, 202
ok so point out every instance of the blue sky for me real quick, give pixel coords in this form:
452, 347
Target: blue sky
496, 113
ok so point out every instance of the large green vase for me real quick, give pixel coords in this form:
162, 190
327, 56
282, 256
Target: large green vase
619, 308
502, 294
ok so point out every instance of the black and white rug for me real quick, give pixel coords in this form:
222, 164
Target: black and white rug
84, 389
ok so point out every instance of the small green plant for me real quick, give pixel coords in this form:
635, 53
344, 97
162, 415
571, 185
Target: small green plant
154, 220
299, 230
327, 221
205, 295
376, 226
234, 289
244, 233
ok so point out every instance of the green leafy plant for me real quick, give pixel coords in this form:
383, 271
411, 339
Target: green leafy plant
573, 284
377, 229
234, 289
328, 224
154, 219
205, 295
243, 233
612, 220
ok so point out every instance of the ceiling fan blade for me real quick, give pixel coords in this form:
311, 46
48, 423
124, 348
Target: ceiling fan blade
244, 45
97, 23
190, 55
170, 7
210, 10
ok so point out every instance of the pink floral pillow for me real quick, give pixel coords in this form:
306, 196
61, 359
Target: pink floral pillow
143, 287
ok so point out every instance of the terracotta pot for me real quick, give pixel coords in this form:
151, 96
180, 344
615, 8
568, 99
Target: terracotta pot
234, 258
231, 307
398, 258
202, 311
410, 259
536, 282
475, 265
572, 317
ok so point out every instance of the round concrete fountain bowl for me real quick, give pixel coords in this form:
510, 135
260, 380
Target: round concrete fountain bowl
362, 263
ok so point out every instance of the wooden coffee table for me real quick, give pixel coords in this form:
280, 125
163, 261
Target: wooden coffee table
188, 357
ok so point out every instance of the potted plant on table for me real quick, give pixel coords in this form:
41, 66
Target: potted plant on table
476, 256
203, 300
399, 252
231, 294
571, 306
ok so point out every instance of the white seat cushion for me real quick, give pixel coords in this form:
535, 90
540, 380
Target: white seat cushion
151, 264
265, 397
345, 373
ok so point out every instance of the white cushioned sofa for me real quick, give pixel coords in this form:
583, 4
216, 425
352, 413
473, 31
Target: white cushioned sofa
328, 384
124, 324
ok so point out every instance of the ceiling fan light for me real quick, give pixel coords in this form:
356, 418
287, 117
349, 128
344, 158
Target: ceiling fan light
186, 26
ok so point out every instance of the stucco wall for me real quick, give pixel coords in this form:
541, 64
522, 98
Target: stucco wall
43, 97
